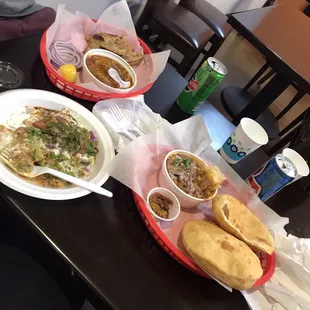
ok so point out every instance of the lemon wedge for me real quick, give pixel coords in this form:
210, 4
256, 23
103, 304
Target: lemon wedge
68, 72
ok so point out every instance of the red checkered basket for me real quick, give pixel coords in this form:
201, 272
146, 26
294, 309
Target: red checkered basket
81, 92
268, 262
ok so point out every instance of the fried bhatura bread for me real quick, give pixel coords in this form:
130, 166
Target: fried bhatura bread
116, 44
221, 255
213, 178
234, 217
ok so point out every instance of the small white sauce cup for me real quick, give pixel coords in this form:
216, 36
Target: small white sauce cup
164, 180
89, 77
174, 210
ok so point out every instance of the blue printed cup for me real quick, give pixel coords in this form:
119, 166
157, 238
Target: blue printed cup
247, 137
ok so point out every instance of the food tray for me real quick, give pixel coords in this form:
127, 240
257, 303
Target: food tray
81, 92
267, 261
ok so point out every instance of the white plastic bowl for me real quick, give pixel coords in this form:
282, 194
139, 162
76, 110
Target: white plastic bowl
164, 180
175, 208
13, 101
89, 77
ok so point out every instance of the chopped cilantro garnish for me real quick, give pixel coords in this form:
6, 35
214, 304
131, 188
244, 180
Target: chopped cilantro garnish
178, 161
187, 162
33, 132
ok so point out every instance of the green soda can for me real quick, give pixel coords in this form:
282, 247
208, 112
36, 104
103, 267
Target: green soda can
198, 89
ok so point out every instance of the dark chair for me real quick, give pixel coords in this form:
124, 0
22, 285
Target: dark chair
24, 285
214, 18
296, 132
177, 26
262, 79
181, 26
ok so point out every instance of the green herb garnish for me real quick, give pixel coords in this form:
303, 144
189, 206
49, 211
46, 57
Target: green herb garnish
177, 161
187, 162
32, 132
90, 149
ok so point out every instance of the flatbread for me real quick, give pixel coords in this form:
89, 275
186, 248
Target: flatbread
213, 178
234, 217
221, 255
116, 44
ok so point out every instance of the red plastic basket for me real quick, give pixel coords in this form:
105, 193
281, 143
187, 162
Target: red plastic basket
81, 92
268, 262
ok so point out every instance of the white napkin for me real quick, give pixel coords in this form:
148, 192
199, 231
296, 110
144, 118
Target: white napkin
289, 287
135, 110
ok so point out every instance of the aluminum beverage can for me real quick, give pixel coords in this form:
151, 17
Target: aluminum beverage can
278, 172
203, 83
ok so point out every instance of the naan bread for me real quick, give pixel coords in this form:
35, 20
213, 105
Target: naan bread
221, 255
234, 217
115, 44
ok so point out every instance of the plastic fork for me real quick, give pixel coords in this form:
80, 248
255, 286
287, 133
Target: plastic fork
37, 170
124, 122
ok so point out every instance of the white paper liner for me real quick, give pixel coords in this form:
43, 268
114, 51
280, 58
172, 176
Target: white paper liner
136, 112
289, 288
117, 20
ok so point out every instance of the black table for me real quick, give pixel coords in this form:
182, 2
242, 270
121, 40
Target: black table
105, 242
281, 34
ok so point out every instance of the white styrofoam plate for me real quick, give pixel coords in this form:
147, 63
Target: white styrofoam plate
14, 100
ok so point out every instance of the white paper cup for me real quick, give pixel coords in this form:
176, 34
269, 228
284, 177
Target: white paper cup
247, 137
300, 164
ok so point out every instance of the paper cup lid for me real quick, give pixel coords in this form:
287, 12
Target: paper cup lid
10, 75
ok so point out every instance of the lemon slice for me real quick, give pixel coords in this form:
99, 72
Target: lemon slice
68, 72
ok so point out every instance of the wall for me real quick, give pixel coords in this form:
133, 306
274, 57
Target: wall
93, 8
231, 6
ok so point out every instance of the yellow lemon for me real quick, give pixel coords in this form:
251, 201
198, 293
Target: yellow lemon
68, 72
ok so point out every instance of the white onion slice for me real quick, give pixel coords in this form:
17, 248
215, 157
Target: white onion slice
65, 53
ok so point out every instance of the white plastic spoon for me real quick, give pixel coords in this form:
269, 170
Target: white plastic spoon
115, 76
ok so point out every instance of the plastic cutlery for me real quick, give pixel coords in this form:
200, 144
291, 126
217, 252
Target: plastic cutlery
115, 76
124, 122
37, 170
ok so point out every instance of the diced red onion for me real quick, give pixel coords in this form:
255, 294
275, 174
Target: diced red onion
88, 168
65, 53
93, 137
